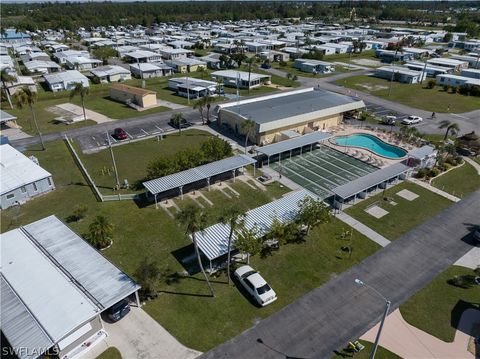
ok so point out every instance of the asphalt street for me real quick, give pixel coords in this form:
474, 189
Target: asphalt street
328, 317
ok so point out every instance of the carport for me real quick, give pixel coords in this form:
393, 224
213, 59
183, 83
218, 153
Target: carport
213, 241
361, 186
292, 144
200, 173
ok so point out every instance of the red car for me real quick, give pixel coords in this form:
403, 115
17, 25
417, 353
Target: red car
119, 134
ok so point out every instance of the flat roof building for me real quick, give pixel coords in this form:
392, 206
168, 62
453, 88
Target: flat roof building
242, 79
303, 111
22, 178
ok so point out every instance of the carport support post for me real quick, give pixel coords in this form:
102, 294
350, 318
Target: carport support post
156, 206
233, 173
290, 154
268, 161
181, 192
208, 183
137, 298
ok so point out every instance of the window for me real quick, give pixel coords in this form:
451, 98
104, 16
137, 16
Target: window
10, 196
23, 189
49, 181
35, 187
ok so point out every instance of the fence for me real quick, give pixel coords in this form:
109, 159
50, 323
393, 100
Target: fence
93, 186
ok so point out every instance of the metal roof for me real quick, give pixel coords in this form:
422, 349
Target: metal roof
293, 143
65, 76
192, 175
4, 117
243, 75
81, 282
17, 169
213, 241
372, 179
422, 152
318, 102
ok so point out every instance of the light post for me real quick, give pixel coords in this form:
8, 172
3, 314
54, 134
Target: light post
385, 313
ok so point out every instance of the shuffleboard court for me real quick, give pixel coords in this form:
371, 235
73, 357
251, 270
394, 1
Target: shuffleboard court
322, 169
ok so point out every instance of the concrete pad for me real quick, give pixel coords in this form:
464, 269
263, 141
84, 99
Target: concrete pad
471, 259
376, 211
408, 195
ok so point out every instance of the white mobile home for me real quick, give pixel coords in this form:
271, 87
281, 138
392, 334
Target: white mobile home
22, 178
111, 73
65, 80
314, 66
399, 73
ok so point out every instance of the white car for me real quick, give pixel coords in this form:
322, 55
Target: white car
255, 285
411, 120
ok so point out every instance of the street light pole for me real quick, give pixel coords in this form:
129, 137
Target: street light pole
382, 322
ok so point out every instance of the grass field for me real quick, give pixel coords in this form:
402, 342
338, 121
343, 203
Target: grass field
142, 231
438, 317
416, 95
459, 181
403, 216
110, 353
381, 353
132, 159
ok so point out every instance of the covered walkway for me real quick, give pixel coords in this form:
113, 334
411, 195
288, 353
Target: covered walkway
200, 173
281, 147
361, 186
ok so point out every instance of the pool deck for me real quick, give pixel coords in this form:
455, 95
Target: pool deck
364, 154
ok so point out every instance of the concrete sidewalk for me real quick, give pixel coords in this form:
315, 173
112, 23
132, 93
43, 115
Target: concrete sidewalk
434, 189
409, 342
473, 163
363, 229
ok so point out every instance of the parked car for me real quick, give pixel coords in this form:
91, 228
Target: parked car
389, 120
119, 134
183, 124
411, 120
255, 285
266, 66
118, 310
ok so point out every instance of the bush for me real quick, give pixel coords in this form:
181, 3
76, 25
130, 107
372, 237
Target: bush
79, 212
434, 172
422, 173
431, 84
282, 64
445, 88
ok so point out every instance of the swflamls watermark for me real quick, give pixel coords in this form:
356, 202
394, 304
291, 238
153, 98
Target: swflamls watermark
26, 351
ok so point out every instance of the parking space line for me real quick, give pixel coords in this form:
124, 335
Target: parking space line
145, 132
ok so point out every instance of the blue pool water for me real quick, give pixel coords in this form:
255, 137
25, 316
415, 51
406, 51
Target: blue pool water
370, 143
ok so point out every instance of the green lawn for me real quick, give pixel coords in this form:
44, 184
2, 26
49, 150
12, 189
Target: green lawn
110, 353
133, 158
437, 308
292, 70
403, 216
381, 353
416, 95
142, 231
459, 181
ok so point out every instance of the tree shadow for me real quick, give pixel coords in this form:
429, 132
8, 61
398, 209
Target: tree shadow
269, 347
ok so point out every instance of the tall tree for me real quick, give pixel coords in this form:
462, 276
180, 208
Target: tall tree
398, 48
251, 62
230, 216
104, 53
247, 128
312, 213
208, 104
26, 97
6, 77
247, 240
200, 106
82, 91
100, 232
452, 128
177, 119
195, 220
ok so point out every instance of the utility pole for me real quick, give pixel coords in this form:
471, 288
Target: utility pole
117, 186
188, 92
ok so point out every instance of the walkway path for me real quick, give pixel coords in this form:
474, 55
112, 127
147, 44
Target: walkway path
409, 342
475, 165
471, 259
326, 318
363, 229
433, 189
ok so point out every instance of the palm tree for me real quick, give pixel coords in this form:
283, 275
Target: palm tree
82, 91
452, 128
6, 77
100, 232
230, 216
195, 220
200, 105
251, 61
177, 119
208, 103
398, 48
25, 96
247, 127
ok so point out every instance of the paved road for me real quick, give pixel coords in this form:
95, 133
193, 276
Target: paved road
328, 317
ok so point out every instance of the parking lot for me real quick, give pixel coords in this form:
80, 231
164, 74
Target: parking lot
380, 111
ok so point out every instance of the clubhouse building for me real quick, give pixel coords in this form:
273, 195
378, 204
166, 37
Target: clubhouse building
287, 115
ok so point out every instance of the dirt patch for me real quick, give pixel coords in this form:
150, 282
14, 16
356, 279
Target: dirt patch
371, 87
367, 62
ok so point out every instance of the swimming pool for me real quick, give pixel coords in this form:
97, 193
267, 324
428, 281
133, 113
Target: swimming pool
371, 143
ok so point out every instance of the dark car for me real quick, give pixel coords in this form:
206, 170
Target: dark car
118, 310
266, 66
119, 134
183, 124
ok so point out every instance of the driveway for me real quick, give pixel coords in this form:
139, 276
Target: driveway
328, 317
139, 336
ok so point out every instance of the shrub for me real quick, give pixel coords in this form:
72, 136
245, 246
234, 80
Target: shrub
445, 88
422, 173
431, 84
434, 172
282, 64
79, 212
453, 89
